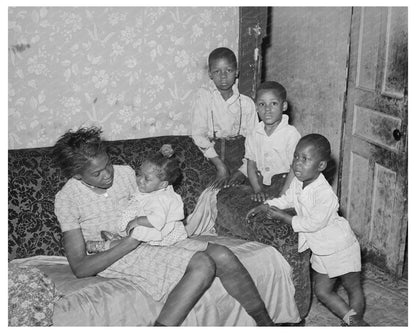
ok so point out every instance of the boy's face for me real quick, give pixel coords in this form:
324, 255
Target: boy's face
270, 107
223, 73
307, 163
148, 180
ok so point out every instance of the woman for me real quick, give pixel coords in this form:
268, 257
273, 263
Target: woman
91, 201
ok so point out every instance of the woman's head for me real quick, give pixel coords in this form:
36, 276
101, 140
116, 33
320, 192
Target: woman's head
157, 172
81, 154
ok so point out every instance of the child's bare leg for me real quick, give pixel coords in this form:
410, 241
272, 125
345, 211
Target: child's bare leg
197, 279
237, 281
352, 284
324, 291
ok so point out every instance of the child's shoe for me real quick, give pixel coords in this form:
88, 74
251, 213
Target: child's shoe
355, 320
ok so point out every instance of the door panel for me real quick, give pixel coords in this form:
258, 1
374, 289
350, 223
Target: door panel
374, 166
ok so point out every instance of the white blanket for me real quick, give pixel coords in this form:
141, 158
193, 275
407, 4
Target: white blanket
97, 301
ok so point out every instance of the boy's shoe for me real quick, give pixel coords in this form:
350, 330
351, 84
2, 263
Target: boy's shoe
355, 321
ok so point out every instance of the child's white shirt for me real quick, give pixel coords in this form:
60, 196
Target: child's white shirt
211, 113
317, 221
273, 154
163, 209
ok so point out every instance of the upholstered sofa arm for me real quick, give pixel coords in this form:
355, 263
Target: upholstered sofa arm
233, 205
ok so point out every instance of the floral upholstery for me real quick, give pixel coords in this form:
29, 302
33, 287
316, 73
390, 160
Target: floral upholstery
31, 297
33, 183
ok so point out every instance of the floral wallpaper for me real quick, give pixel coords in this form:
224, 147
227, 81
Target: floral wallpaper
130, 70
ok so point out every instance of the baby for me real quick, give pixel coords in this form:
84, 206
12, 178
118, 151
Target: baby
155, 212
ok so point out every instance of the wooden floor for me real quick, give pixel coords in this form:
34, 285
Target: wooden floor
386, 301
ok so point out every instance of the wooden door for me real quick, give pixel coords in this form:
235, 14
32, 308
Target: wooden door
374, 165
253, 28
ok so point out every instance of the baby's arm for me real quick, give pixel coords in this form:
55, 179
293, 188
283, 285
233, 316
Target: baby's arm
138, 221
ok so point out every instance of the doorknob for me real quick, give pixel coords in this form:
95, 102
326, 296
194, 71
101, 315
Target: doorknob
397, 135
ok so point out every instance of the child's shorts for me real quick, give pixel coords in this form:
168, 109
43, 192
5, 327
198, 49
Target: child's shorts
339, 263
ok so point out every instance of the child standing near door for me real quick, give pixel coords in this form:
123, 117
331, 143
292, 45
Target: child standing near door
335, 249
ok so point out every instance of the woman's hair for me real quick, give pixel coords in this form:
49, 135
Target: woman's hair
320, 143
74, 150
168, 167
279, 90
222, 53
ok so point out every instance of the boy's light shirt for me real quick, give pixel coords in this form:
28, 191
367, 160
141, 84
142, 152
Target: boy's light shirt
273, 154
226, 117
317, 221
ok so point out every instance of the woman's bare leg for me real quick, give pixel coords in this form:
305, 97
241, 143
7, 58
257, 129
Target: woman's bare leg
237, 281
198, 277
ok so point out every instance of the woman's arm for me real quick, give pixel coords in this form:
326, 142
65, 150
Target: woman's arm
84, 265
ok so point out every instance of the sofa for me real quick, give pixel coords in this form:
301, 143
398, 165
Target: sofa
36, 254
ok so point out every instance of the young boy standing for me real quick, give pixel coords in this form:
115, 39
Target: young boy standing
335, 249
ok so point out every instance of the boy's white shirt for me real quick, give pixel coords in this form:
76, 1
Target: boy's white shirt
273, 154
226, 117
317, 221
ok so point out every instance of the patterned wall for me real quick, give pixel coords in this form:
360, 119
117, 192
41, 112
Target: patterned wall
130, 70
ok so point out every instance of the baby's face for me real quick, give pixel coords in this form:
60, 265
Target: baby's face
148, 179
270, 107
223, 73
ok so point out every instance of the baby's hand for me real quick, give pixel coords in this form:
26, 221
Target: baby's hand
131, 225
254, 211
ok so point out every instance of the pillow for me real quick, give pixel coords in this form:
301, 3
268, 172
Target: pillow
31, 297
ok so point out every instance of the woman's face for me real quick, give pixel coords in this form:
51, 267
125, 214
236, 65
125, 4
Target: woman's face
99, 173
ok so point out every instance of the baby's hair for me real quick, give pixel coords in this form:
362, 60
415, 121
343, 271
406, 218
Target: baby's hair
321, 144
75, 149
222, 53
168, 168
279, 90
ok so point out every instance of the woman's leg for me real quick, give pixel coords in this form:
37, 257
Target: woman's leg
324, 291
198, 277
238, 283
